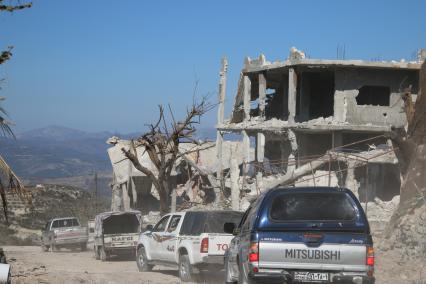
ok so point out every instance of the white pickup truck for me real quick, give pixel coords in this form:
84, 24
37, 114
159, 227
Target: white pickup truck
188, 240
63, 232
116, 233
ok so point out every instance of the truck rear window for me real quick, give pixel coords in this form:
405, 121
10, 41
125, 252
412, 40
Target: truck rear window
196, 223
63, 223
290, 207
121, 224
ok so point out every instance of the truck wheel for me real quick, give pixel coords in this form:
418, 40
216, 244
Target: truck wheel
53, 247
228, 274
96, 250
83, 246
44, 248
142, 260
185, 268
242, 277
103, 254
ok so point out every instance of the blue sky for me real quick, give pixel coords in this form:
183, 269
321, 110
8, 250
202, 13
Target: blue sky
106, 65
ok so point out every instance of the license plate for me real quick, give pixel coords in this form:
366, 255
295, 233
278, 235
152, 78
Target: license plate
311, 276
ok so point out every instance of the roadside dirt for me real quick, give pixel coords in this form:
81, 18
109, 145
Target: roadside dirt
31, 265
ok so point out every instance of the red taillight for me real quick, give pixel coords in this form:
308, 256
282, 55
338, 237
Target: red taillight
370, 259
204, 248
253, 252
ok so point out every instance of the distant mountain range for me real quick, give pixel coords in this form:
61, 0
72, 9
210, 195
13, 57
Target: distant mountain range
64, 154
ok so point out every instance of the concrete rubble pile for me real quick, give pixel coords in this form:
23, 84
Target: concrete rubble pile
407, 231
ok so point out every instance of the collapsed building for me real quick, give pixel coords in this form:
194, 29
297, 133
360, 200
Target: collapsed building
192, 179
322, 122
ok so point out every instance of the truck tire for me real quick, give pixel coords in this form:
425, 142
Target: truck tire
44, 248
228, 273
83, 246
142, 260
53, 247
242, 277
185, 268
103, 254
97, 255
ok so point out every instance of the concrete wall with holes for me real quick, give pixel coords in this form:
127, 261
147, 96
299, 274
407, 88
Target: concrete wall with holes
349, 81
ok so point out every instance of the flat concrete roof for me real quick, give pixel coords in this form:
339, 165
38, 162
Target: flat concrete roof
395, 65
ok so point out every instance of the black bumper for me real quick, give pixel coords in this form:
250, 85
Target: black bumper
287, 278
214, 259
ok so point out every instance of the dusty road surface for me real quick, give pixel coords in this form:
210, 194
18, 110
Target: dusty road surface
31, 265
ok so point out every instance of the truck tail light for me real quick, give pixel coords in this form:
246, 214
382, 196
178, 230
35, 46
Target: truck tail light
204, 248
253, 252
370, 260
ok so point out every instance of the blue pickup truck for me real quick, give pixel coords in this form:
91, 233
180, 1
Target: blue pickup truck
302, 235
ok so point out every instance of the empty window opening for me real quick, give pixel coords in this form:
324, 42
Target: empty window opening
374, 95
383, 182
316, 95
274, 104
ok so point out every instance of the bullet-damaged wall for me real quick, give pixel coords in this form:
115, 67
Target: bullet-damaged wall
349, 81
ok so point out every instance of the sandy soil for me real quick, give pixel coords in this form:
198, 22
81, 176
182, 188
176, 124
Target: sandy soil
31, 265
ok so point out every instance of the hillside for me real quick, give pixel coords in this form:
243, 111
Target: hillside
47, 202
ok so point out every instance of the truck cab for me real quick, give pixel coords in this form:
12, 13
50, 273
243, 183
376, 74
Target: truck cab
307, 235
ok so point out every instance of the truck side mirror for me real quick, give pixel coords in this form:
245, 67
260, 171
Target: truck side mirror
236, 231
149, 227
229, 228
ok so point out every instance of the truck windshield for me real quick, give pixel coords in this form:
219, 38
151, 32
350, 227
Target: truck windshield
63, 223
290, 207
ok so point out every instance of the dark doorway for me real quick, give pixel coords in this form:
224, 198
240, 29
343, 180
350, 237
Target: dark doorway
316, 95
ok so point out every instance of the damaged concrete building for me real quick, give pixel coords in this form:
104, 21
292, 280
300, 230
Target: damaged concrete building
299, 112
192, 179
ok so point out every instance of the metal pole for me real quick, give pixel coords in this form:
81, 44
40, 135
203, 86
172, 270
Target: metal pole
366, 189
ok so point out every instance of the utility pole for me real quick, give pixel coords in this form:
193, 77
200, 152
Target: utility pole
96, 192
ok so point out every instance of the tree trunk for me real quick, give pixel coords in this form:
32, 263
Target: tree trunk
414, 154
163, 192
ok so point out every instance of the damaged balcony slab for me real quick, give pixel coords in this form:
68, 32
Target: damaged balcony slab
275, 125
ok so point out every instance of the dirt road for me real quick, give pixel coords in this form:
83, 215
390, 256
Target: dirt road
31, 265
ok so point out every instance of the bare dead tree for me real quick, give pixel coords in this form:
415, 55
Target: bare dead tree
161, 143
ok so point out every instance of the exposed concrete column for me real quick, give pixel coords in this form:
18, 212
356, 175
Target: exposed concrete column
291, 161
337, 137
262, 95
219, 156
260, 155
220, 118
222, 91
235, 174
246, 151
292, 94
125, 195
247, 97
350, 181
116, 198
260, 147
